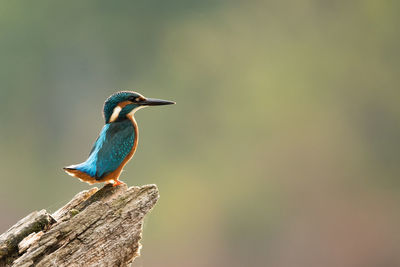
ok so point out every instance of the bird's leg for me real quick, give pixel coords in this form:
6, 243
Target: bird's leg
117, 182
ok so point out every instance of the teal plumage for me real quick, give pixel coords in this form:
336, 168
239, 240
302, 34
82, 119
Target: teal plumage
120, 138
110, 149
117, 140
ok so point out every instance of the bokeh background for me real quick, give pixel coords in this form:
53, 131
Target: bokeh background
284, 146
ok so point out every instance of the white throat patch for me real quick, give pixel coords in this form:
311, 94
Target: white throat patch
115, 113
118, 109
135, 109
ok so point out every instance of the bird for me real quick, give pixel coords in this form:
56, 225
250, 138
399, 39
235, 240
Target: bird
117, 141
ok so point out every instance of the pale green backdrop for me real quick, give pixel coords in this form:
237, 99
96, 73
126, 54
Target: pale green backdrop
283, 148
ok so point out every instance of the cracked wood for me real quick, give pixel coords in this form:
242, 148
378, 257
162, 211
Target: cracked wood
96, 228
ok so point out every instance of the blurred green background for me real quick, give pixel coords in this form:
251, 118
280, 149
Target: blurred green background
283, 148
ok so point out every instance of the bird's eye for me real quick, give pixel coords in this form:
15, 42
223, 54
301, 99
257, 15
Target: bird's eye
137, 99
140, 99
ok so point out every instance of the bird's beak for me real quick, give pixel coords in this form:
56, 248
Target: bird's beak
155, 102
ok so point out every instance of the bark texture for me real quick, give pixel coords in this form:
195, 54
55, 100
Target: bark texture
96, 228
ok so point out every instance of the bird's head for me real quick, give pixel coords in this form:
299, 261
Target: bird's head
121, 104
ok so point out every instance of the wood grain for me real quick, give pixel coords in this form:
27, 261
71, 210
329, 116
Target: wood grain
96, 228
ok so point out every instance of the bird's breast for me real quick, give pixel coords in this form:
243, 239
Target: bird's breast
136, 136
114, 175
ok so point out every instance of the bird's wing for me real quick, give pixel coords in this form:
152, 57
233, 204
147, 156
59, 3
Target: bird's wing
112, 147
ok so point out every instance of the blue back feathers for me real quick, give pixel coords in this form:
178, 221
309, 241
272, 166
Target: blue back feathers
110, 149
117, 138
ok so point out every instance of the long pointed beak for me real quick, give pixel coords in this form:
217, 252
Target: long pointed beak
155, 102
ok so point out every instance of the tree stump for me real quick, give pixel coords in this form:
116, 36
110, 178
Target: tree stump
96, 228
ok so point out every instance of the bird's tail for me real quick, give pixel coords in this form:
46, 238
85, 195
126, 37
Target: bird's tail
75, 171
70, 167
70, 170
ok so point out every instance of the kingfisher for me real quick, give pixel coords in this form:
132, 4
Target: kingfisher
117, 141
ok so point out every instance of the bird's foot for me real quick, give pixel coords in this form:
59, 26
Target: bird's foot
117, 182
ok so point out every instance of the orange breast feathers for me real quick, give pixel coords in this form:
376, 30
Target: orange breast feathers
114, 175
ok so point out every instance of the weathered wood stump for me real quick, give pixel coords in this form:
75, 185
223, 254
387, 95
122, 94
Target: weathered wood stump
96, 228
